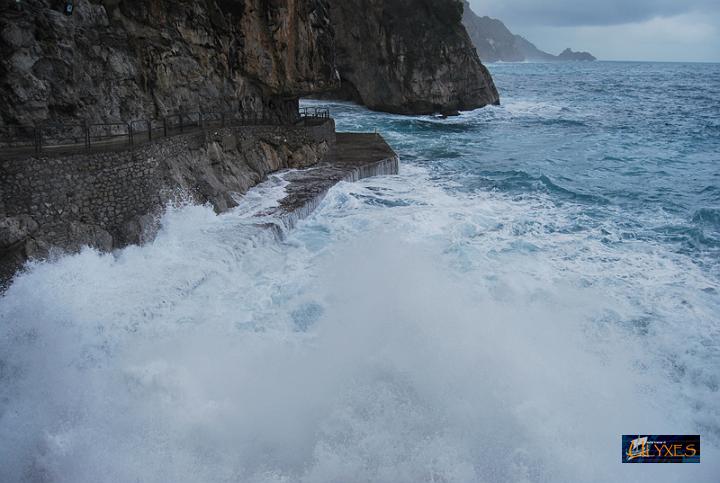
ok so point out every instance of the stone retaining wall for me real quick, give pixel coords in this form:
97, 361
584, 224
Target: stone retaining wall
109, 200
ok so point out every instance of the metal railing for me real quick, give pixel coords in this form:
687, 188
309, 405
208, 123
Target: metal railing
314, 112
50, 136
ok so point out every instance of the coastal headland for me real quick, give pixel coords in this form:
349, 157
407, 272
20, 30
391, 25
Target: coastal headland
114, 109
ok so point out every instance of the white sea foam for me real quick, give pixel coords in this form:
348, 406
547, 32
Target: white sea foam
404, 332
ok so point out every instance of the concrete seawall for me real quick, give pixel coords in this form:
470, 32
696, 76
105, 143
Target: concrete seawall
358, 156
110, 200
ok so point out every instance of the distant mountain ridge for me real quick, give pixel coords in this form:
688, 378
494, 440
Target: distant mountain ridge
495, 42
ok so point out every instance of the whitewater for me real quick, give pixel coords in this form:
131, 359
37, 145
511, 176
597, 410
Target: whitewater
540, 278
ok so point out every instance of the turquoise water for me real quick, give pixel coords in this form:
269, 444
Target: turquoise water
636, 141
539, 279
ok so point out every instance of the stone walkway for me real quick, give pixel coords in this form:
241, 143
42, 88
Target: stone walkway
122, 142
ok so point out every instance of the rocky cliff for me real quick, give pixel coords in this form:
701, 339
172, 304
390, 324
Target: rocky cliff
115, 60
495, 42
120, 60
408, 57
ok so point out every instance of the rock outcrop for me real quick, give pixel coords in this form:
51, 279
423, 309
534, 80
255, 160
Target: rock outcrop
114, 60
121, 60
568, 55
495, 42
408, 57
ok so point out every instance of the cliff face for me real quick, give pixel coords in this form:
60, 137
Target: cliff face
119, 60
130, 59
495, 42
408, 57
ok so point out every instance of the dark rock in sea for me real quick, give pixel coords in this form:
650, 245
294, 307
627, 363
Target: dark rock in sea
496, 43
131, 59
570, 56
408, 57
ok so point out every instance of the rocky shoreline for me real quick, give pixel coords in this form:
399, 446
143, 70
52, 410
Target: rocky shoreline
110, 200
121, 62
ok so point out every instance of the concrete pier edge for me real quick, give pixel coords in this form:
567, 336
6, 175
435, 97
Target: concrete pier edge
357, 156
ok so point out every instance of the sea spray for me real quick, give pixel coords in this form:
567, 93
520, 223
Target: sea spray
197, 358
503, 310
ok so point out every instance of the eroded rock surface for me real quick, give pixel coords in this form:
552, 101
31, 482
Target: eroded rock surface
119, 60
408, 57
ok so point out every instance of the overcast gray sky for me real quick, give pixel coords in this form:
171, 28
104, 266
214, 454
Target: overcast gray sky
615, 29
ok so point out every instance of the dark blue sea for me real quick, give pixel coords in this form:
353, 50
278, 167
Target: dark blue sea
541, 278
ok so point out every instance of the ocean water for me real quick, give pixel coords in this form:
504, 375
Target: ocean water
541, 278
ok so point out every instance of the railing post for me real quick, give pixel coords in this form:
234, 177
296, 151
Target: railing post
38, 139
206, 119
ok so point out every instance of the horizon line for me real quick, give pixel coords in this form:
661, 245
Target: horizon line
605, 60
